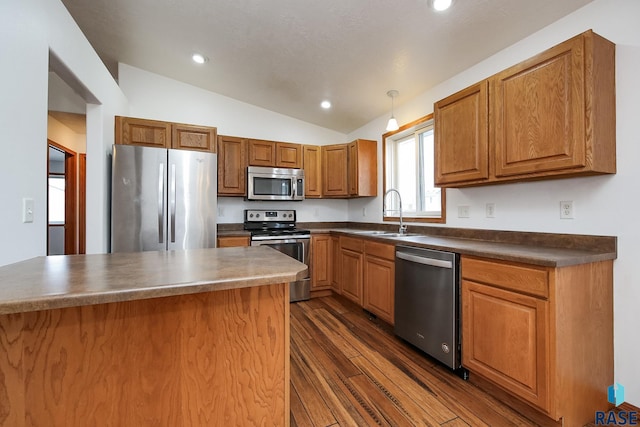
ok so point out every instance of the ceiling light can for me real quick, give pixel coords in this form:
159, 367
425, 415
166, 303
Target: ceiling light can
199, 58
441, 5
325, 104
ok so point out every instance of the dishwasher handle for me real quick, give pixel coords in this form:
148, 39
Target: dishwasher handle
423, 260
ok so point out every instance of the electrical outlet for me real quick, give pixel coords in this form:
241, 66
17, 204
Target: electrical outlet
364, 211
220, 212
491, 210
566, 209
463, 211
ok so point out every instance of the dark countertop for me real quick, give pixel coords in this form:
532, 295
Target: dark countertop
529, 251
545, 249
44, 283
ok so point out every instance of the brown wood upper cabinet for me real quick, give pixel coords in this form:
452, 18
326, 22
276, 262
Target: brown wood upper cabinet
232, 166
312, 164
552, 115
275, 154
154, 133
350, 170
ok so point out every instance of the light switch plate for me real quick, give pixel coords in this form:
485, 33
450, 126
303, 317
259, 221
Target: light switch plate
27, 210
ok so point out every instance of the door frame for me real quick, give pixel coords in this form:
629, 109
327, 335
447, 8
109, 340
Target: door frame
72, 207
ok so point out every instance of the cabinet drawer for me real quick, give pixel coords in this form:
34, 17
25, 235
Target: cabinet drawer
380, 250
351, 243
517, 277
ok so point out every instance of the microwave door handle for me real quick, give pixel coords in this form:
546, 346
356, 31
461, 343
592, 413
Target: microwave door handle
293, 188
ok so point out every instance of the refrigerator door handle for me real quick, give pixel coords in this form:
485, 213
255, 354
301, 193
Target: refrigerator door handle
161, 198
173, 202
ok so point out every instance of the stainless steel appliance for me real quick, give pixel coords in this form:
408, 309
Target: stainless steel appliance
427, 302
277, 229
274, 183
162, 199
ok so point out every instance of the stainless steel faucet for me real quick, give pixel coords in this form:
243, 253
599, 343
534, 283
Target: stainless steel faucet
403, 228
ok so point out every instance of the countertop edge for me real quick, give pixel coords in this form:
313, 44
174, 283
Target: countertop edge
543, 256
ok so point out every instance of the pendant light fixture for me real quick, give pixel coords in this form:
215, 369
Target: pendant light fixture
393, 123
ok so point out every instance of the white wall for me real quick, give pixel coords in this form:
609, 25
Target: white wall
156, 97
28, 30
605, 205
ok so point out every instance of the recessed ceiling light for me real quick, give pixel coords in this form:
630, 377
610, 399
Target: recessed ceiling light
199, 58
325, 104
441, 5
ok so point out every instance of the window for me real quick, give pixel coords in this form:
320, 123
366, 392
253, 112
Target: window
409, 168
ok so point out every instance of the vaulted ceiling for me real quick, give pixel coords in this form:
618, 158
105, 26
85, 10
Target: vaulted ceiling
289, 55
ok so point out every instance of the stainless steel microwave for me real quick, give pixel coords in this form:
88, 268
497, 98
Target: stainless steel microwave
274, 183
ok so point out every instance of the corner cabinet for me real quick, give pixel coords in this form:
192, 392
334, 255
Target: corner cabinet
350, 170
541, 333
362, 168
232, 166
550, 116
154, 133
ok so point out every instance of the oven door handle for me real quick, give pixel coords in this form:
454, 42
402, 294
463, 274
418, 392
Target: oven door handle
270, 239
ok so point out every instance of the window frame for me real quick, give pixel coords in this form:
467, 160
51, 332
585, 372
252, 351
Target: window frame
415, 125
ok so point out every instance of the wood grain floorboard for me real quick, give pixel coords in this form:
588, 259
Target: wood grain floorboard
349, 369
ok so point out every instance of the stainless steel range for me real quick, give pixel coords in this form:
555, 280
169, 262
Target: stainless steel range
277, 229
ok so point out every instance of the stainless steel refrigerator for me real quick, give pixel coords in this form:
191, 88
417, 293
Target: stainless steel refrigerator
162, 199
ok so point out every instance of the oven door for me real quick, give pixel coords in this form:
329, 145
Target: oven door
297, 249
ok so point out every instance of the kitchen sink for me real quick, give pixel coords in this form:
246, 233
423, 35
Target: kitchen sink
382, 233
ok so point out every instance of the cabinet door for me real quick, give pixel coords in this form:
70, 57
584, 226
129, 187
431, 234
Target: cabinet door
288, 155
233, 241
320, 262
363, 168
539, 112
461, 136
334, 170
351, 280
147, 133
188, 137
505, 338
312, 171
335, 265
262, 153
379, 280
232, 166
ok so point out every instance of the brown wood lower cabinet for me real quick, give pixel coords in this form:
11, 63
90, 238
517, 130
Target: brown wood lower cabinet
542, 334
379, 279
233, 241
214, 358
335, 265
351, 262
320, 262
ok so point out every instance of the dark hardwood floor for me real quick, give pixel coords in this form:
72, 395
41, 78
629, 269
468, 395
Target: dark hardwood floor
350, 370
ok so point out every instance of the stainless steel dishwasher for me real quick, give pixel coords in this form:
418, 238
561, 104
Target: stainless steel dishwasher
427, 303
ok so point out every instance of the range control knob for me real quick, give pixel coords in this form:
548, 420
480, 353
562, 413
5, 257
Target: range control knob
257, 215
250, 215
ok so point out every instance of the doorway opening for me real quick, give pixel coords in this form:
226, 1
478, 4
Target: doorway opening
66, 200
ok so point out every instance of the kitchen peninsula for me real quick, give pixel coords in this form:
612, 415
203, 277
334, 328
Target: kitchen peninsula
198, 337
